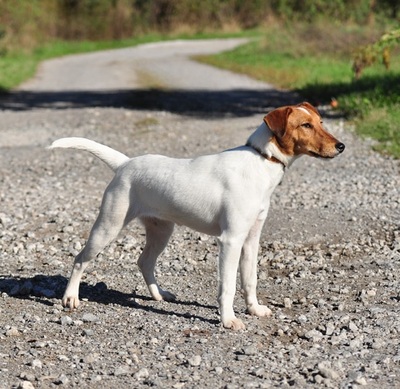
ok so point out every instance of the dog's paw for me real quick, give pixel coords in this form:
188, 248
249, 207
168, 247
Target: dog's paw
159, 294
259, 310
234, 324
167, 296
70, 302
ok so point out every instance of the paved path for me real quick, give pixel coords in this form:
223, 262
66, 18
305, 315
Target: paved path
151, 76
164, 64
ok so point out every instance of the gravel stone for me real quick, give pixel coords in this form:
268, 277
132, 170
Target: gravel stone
26, 385
329, 257
61, 380
66, 321
36, 364
250, 350
90, 318
142, 374
122, 370
13, 331
195, 360
327, 372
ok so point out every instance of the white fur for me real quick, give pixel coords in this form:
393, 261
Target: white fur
304, 110
226, 195
113, 158
260, 139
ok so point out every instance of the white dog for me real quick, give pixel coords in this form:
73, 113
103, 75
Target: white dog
226, 195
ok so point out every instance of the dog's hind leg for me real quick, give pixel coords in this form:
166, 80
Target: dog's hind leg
158, 233
111, 220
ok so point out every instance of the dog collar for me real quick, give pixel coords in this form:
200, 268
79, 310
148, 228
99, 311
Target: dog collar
267, 157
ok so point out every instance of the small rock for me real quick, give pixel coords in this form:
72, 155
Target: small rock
355, 343
36, 363
357, 378
313, 335
122, 370
260, 373
327, 372
219, 370
353, 327
377, 344
13, 331
360, 381
90, 318
287, 302
250, 350
26, 376
195, 360
91, 358
330, 328
26, 385
302, 319
61, 380
319, 379
142, 374
371, 292
66, 321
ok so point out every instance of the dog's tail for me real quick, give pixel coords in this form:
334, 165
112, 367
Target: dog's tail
113, 158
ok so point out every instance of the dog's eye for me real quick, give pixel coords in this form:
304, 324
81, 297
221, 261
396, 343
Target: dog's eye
307, 125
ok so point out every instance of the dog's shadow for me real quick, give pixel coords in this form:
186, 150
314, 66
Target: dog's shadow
45, 288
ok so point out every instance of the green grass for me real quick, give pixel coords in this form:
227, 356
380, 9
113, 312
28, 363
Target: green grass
287, 61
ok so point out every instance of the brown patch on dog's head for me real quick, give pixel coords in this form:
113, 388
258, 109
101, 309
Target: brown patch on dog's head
298, 130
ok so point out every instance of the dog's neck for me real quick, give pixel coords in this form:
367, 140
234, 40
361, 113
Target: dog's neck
260, 141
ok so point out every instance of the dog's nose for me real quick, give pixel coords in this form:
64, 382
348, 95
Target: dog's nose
340, 147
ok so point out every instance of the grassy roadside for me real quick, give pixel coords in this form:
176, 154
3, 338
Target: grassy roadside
319, 69
313, 60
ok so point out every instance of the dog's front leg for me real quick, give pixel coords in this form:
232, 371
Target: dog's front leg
248, 271
229, 256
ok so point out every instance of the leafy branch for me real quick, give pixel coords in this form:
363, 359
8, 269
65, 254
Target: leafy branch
368, 55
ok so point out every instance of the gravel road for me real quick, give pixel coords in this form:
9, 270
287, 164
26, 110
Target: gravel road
329, 257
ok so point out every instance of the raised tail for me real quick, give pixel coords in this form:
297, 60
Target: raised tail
113, 158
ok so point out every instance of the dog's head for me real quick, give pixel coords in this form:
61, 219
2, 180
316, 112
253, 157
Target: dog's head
298, 130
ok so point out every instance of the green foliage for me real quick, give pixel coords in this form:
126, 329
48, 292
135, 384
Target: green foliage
28, 23
369, 54
289, 61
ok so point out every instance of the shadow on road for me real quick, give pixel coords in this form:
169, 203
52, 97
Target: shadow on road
239, 102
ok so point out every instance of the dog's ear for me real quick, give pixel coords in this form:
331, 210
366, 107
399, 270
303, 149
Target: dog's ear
276, 120
309, 107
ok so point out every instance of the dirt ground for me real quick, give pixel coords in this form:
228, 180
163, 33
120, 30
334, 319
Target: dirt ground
329, 256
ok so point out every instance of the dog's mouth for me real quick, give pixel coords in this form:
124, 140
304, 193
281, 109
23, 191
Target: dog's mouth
316, 155
320, 156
